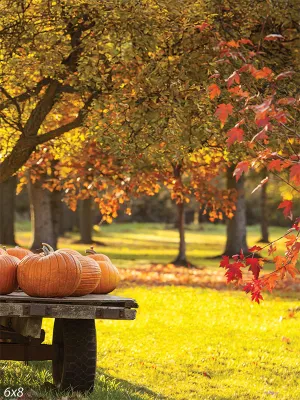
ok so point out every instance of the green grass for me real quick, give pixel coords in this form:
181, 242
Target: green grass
137, 244
186, 343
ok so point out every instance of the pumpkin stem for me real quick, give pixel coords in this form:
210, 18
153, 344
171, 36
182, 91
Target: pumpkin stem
4, 248
90, 251
47, 249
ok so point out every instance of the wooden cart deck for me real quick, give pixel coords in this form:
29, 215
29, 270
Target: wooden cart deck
92, 306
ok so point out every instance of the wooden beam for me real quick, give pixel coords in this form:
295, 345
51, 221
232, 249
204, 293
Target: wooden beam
27, 352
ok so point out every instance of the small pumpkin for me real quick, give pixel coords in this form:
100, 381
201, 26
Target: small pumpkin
110, 276
49, 274
18, 252
90, 275
8, 273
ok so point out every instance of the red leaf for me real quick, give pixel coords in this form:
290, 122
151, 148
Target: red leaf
286, 101
255, 248
254, 266
225, 262
245, 41
214, 91
241, 167
295, 173
233, 43
284, 75
237, 91
235, 135
254, 288
265, 72
287, 208
233, 78
273, 36
296, 224
203, 26
272, 249
234, 272
274, 165
223, 111
261, 135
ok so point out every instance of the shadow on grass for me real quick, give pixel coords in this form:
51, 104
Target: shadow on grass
36, 381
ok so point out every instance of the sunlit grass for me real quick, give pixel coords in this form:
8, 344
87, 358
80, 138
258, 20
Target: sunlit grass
138, 243
188, 343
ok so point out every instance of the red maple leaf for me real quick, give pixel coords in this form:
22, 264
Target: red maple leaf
255, 248
214, 91
295, 173
245, 41
223, 111
274, 165
272, 249
265, 72
254, 288
241, 167
287, 208
254, 266
286, 101
235, 135
261, 135
237, 90
225, 262
284, 75
233, 78
234, 272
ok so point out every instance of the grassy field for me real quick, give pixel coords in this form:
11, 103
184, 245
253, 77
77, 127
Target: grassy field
186, 343
138, 244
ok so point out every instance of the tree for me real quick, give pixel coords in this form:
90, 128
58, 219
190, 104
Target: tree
267, 111
264, 224
236, 226
60, 61
7, 211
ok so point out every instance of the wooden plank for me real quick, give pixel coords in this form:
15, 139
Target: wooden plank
25, 352
69, 311
96, 299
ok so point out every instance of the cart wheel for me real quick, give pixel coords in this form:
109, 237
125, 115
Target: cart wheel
74, 365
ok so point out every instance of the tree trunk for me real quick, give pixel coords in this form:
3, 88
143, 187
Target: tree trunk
7, 211
56, 214
41, 215
68, 219
236, 227
264, 217
181, 258
86, 221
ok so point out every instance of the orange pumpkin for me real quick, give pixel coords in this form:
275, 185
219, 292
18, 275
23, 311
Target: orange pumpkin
18, 252
110, 275
8, 273
50, 274
3, 251
90, 275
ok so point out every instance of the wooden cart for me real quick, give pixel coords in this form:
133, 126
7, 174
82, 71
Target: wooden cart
73, 350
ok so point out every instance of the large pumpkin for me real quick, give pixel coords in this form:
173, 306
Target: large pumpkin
18, 252
50, 274
90, 275
110, 275
8, 273
3, 251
